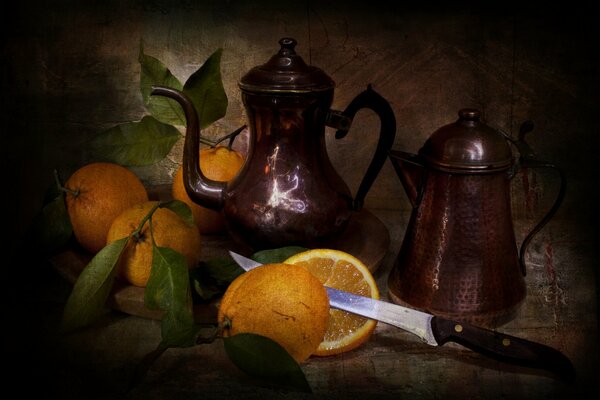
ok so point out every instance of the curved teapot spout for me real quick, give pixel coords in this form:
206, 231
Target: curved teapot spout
201, 190
410, 170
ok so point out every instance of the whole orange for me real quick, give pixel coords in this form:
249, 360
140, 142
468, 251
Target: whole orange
96, 194
285, 303
168, 230
218, 164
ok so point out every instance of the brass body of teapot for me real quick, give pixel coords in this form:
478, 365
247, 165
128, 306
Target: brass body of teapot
288, 192
459, 256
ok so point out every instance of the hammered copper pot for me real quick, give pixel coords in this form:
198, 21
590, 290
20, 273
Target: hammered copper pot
459, 256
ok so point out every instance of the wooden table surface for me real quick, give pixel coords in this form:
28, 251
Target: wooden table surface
560, 311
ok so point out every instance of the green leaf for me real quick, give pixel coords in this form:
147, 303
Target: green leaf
154, 72
136, 143
51, 227
54, 190
204, 287
88, 298
263, 358
181, 209
205, 88
223, 270
168, 289
276, 255
211, 278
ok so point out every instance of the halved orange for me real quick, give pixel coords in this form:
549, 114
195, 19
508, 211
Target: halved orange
340, 270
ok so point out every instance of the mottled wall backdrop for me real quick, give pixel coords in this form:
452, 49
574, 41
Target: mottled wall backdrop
70, 70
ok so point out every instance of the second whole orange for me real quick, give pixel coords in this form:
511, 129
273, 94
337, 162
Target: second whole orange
168, 229
218, 164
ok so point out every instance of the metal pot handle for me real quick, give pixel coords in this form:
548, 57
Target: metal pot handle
527, 159
342, 121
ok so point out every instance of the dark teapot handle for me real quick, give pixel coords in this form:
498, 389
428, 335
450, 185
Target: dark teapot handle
373, 101
527, 159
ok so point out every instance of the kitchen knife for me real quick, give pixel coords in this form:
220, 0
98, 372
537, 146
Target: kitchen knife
436, 331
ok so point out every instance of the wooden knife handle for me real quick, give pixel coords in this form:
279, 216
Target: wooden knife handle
503, 347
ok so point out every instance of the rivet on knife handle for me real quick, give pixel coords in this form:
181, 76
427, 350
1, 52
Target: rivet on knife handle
503, 347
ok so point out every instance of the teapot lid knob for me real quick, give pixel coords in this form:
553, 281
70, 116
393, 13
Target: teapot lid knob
467, 146
287, 46
287, 72
469, 114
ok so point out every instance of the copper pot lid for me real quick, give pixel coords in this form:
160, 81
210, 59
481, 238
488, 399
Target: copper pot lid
467, 146
286, 72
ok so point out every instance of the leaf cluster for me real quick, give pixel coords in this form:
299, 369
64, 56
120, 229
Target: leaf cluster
149, 140
169, 289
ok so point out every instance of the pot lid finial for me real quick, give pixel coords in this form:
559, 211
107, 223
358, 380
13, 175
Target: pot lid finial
467, 145
286, 71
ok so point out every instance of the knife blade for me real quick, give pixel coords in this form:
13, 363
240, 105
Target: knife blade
436, 330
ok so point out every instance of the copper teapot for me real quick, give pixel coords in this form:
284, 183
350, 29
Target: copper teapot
459, 256
288, 192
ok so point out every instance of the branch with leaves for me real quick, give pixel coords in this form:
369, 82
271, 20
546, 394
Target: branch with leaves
150, 140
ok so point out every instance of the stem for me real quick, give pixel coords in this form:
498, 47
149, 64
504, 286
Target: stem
152, 233
207, 142
136, 233
57, 178
224, 325
75, 193
231, 136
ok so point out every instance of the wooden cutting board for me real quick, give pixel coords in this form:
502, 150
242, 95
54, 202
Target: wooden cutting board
366, 238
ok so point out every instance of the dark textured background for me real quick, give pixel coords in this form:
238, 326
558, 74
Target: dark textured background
69, 70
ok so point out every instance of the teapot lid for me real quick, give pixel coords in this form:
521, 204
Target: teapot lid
286, 72
467, 146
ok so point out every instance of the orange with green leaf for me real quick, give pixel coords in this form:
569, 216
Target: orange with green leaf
170, 273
